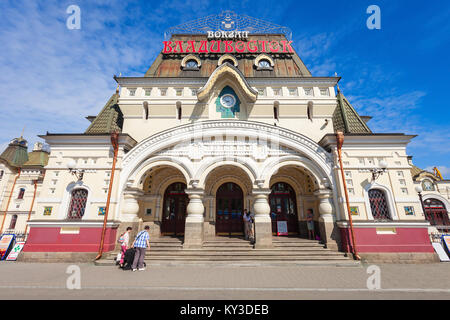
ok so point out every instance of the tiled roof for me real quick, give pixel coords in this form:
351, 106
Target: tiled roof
109, 119
346, 119
285, 65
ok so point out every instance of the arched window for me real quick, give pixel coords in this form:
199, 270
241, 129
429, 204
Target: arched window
179, 110
13, 222
427, 185
229, 61
379, 205
436, 213
191, 64
309, 110
146, 110
276, 106
77, 204
264, 64
21, 193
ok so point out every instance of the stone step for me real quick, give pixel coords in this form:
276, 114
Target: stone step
248, 259
265, 263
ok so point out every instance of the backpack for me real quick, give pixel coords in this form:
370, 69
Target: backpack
121, 238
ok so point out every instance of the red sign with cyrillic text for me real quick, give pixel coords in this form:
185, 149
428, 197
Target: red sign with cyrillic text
224, 46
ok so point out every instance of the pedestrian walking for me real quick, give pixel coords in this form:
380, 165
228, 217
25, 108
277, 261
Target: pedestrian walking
141, 243
310, 223
124, 241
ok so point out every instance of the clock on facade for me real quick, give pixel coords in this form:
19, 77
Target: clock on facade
228, 100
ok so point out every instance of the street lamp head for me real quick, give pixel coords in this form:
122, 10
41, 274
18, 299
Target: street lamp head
71, 165
418, 189
383, 164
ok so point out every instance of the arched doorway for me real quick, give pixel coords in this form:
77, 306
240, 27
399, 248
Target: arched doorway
174, 210
229, 209
283, 207
436, 214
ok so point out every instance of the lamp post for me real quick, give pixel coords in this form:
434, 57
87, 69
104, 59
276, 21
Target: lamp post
419, 190
71, 165
376, 172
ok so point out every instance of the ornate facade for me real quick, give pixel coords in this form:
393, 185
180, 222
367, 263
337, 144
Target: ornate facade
203, 136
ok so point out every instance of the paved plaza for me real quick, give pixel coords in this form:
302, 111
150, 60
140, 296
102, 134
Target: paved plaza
60, 281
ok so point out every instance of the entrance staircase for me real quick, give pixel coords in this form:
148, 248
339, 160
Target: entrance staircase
227, 251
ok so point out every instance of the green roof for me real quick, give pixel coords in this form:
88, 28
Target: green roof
16, 153
346, 119
37, 159
109, 119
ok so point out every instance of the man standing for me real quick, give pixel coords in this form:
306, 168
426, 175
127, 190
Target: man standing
141, 243
310, 224
247, 224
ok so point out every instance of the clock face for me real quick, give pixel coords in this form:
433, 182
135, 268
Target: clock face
228, 100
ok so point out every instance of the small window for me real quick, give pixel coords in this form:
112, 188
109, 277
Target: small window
132, 92
163, 92
229, 61
193, 92
13, 222
264, 64
179, 112
277, 91
147, 92
21, 193
179, 92
308, 91
275, 112
293, 92
261, 91
192, 64
324, 92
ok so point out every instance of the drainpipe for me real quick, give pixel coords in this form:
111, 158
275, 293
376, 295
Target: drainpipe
9, 199
115, 144
340, 142
31, 208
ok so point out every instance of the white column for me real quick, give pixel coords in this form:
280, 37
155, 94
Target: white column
193, 232
326, 221
263, 223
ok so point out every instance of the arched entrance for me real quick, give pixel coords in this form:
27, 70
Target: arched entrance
283, 207
229, 209
174, 209
436, 214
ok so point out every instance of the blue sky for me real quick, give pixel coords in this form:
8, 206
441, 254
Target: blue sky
52, 77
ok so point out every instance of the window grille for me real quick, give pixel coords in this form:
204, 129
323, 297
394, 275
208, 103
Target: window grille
379, 206
77, 204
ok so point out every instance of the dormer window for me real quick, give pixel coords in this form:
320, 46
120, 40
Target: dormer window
192, 64
264, 64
